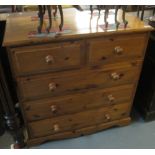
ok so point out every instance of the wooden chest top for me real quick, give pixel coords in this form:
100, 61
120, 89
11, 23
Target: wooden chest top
80, 24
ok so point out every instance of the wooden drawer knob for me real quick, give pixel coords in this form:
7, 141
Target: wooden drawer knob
115, 76
118, 50
52, 86
53, 108
111, 98
56, 127
49, 59
107, 117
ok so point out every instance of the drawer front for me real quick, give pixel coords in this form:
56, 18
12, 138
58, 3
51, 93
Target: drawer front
71, 82
53, 107
78, 120
117, 48
51, 57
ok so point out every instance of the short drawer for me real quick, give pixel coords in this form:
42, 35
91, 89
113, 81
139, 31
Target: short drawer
46, 57
71, 82
116, 48
53, 107
78, 120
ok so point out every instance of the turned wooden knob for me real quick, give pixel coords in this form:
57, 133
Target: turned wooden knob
53, 108
49, 59
118, 50
107, 116
111, 98
52, 86
56, 127
115, 76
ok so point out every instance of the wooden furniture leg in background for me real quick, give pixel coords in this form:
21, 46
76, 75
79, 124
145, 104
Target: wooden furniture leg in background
62, 18
13, 8
2, 122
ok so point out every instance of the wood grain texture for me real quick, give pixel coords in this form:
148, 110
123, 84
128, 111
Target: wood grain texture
47, 57
73, 18
78, 120
72, 54
78, 132
117, 48
76, 81
54, 107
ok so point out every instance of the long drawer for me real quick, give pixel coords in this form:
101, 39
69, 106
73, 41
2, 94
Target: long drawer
47, 57
53, 107
78, 120
116, 48
70, 82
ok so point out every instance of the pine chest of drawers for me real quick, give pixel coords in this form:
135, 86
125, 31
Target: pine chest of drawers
78, 83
